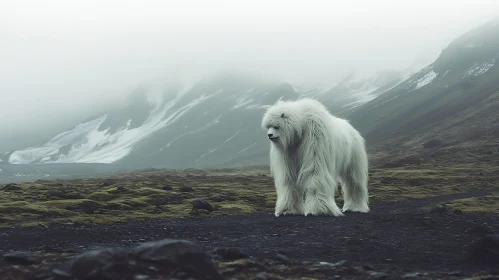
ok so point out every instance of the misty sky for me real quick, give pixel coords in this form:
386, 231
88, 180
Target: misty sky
56, 57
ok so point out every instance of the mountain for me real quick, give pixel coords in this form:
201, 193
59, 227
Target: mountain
213, 122
448, 109
216, 122
355, 90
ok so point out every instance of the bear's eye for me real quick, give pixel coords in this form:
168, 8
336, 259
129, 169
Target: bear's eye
276, 127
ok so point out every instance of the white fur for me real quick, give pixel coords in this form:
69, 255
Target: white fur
314, 152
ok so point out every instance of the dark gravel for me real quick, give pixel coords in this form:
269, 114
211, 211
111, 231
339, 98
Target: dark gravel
396, 236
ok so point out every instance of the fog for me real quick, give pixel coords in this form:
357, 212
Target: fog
61, 60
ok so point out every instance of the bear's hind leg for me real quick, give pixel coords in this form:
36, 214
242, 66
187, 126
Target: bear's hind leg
355, 192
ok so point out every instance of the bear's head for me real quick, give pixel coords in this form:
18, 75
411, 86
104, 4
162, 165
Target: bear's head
283, 124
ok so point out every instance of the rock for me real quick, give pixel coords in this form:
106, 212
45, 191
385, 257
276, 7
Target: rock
415, 275
109, 263
179, 254
261, 276
378, 276
282, 258
87, 207
202, 204
186, 189
229, 254
367, 266
106, 184
20, 257
165, 258
167, 188
485, 249
11, 187
438, 209
481, 229
120, 188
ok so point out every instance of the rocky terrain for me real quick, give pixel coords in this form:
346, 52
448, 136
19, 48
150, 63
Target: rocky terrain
439, 223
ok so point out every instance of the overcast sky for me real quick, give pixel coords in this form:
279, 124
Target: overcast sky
57, 57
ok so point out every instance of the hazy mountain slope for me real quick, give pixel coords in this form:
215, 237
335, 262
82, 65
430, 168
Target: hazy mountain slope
210, 123
220, 129
356, 90
454, 99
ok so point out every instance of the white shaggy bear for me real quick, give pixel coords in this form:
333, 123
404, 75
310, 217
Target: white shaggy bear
311, 152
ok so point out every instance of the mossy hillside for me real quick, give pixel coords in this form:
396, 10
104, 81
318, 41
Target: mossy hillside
158, 193
488, 203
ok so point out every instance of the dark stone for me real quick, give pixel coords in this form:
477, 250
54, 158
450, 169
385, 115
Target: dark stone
485, 249
378, 276
186, 189
11, 187
202, 204
179, 254
106, 184
165, 257
22, 258
42, 273
109, 263
120, 188
261, 276
167, 188
87, 207
414, 275
481, 229
341, 263
229, 254
367, 266
282, 258
439, 209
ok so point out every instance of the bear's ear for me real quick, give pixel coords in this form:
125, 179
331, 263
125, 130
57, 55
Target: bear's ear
282, 115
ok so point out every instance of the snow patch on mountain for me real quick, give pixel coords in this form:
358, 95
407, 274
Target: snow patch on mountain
81, 134
242, 101
478, 69
215, 121
362, 96
213, 150
246, 148
88, 144
426, 79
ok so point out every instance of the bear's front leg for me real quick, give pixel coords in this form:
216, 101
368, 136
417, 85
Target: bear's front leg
319, 197
289, 200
